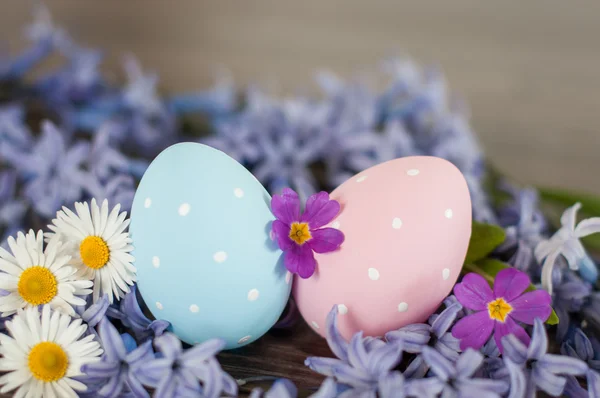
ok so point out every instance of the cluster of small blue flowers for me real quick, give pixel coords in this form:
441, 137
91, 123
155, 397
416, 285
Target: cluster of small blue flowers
96, 139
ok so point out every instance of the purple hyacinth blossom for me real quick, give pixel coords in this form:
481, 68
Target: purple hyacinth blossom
570, 295
282, 388
434, 334
573, 387
140, 93
53, 170
301, 234
499, 310
580, 346
456, 379
104, 159
566, 243
178, 373
77, 82
42, 29
290, 138
591, 310
541, 370
132, 317
351, 141
328, 389
365, 365
457, 143
236, 138
481, 202
395, 142
119, 188
117, 371
95, 313
12, 209
524, 224
13, 131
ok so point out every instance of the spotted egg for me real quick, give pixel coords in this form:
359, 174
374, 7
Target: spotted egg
407, 224
200, 226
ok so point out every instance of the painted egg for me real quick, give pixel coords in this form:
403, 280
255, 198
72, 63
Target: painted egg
407, 224
200, 226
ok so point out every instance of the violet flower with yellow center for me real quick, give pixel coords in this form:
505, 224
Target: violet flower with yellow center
499, 310
300, 235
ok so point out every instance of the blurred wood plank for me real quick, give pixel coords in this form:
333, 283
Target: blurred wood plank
529, 70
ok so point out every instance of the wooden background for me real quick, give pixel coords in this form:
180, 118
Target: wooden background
529, 69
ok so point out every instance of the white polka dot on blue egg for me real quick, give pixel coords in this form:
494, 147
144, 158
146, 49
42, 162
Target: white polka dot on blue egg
200, 226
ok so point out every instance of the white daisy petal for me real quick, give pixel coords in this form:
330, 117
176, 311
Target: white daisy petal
114, 277
64, 389
53, 328
36, 387
14, 379
28, 251
56, 328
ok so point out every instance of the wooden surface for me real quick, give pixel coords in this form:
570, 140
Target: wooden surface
530, 71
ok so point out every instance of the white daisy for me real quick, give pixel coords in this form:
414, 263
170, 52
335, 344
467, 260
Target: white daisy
43, 355
99, 245
33, 276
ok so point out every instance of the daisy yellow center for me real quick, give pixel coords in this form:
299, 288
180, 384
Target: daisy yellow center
37, 285
499, 309
48, 361
300, 233
94, 252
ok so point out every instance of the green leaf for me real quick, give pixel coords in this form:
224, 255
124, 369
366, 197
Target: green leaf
590, 204
484, 239
489, 268
553, 318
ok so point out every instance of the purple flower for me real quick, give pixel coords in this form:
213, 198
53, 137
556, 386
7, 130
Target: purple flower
54, 172
282, 388
349, 128
573, 387
140, 93
395, 142
290, 136
591, 310
132, 317
117, 370
183, 373
480, 200
364, 365
104, 159
13, 132
524, 224
42, 29
535, 368
77, 82
435, 334
498, 310
119, 188
565, 242
580, 346
12, 209
456, 379
569, 296
299, 235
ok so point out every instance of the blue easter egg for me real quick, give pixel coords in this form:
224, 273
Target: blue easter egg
200, 226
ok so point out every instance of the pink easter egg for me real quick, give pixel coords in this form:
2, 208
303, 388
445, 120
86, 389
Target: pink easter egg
407, 224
